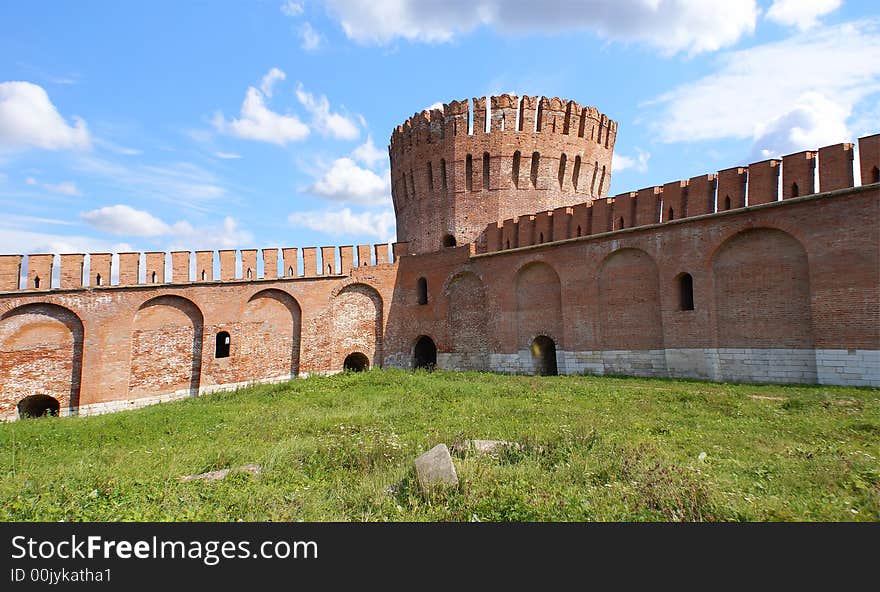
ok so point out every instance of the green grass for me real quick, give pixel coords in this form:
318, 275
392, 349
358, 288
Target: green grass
342, 448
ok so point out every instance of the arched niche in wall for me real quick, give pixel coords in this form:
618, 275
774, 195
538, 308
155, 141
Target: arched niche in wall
357, 323
629, 302
166, 347
41, 348
762, 291
270, 347
538, 303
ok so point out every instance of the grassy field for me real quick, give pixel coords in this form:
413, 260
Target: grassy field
342, 448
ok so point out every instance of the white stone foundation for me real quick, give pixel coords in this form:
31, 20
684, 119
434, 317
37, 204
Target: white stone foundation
788, 366
850, 367
123, 404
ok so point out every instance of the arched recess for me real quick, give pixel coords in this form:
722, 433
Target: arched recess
762, 291
41, 352
272, 323
166, 347
466, 320
424, 354
544, 356
629, 302
357, 323
538, 304
356, 362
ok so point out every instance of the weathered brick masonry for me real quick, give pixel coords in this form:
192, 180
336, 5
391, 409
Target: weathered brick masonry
768, 272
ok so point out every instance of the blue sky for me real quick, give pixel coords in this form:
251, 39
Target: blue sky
192, 125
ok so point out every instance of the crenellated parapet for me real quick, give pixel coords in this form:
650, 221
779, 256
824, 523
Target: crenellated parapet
765, 182
456, 169
39, 272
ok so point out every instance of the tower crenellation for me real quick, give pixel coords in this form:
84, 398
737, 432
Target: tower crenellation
474, 162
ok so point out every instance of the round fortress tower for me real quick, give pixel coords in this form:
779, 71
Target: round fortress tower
453, 174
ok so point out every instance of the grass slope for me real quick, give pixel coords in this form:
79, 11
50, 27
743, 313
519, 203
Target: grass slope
341, 448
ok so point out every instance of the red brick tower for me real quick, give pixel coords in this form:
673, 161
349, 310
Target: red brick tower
452, 174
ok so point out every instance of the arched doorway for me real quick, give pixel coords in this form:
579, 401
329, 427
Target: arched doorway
38, 406
356, 362
544, 356
425, 354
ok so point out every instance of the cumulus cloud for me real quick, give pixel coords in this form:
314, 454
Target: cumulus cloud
639, 162
803, 14
268, 82
291, 8
325, 121
346, 182
789, 93
368, 154
378, 225
311, 39
814, 121
691, 26
28, 119
123, 220
259, 123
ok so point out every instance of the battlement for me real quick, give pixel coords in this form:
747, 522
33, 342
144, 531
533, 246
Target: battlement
73, 271
504, 114
455, 169
764, 182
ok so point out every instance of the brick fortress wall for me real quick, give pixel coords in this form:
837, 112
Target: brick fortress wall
769, 272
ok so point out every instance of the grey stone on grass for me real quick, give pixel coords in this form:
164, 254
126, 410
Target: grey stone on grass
435, 468
222, 473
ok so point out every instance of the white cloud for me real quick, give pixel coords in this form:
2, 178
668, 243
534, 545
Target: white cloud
673, 26
311, 39
345, 181
268, 82
226, 235
809, 82
14, 240
181, 183
639, 163
114, 147
326, 122
379, 225
291, 8
368, 154
257, 122
28, 119
815, 121
227, 155
803, 14
439, 104
65, 188
122, 220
